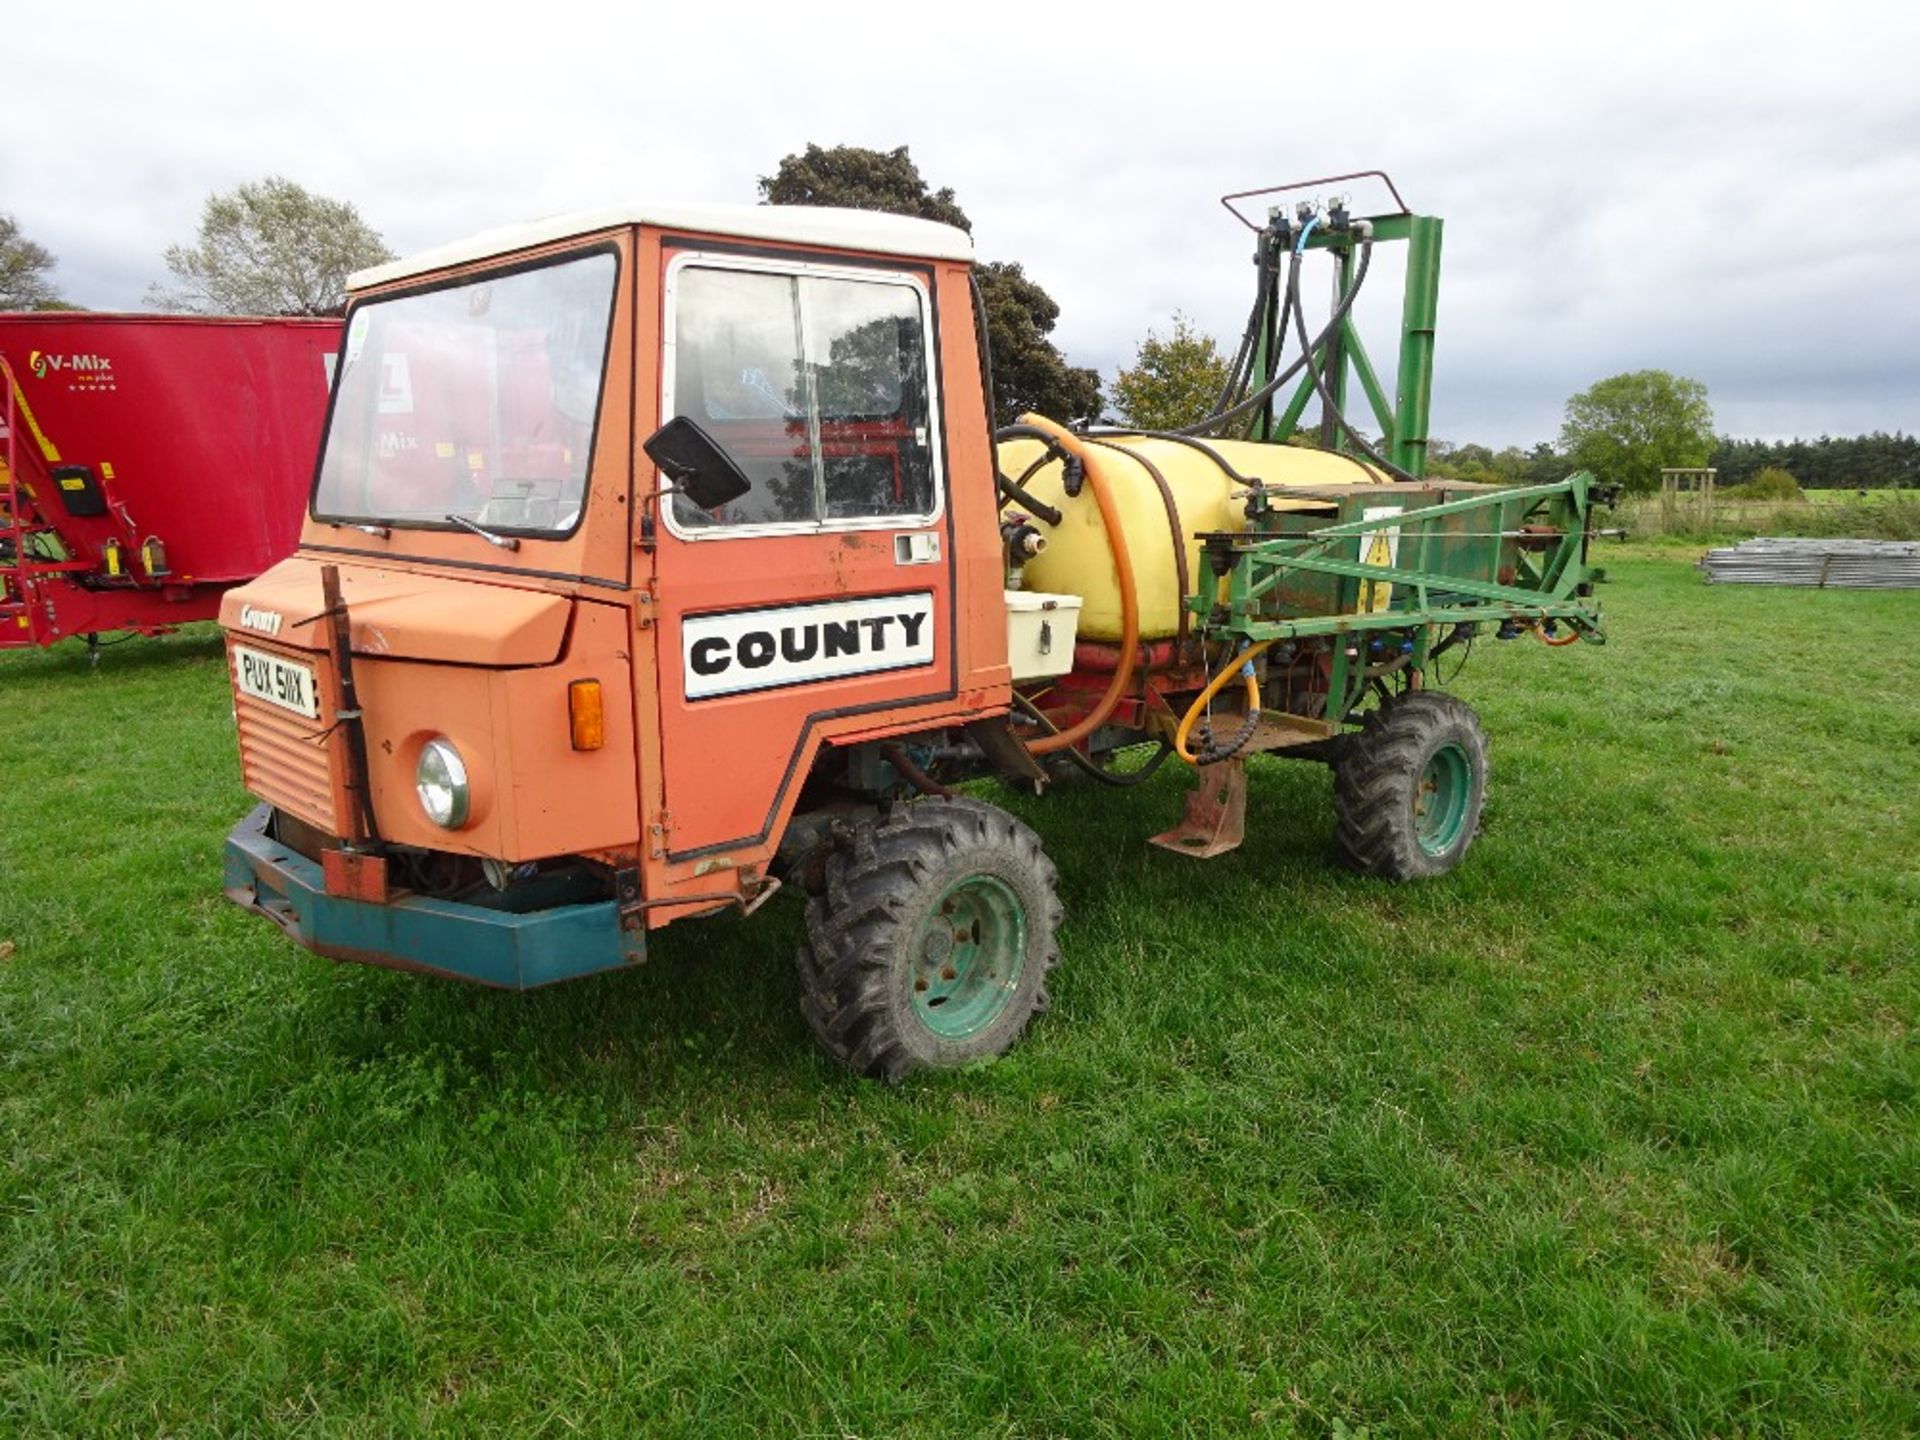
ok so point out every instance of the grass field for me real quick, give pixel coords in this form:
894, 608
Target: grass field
1862, 514
1614, 1131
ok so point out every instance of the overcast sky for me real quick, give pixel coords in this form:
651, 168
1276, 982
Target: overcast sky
1728, 191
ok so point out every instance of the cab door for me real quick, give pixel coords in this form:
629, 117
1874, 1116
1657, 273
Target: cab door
819, 602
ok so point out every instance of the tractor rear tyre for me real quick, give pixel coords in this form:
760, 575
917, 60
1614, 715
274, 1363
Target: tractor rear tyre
933, 940
1407, 790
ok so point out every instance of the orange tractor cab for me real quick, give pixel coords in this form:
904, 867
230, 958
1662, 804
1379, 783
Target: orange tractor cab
661, 556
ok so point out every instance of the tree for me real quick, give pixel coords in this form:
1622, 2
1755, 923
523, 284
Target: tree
1830, 462
1772, 483
1541, 465
1173, 382
270, 248
1029, 372
860, 179
1627, 428
24, 282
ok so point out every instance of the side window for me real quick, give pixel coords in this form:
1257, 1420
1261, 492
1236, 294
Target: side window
815, 385
737, 372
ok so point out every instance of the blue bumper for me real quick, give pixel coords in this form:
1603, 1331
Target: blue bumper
510, 949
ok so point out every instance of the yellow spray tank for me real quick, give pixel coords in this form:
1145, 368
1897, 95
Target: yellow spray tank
1078, 560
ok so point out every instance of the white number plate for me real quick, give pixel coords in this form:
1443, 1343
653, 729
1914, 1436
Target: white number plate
276, 681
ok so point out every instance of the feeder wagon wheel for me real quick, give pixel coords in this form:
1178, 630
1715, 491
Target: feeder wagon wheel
1407, 789
932, 941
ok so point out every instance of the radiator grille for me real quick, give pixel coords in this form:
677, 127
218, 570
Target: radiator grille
286, 760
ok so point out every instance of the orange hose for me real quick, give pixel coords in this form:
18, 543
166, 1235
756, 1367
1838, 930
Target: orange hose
1129, 602
1546, 639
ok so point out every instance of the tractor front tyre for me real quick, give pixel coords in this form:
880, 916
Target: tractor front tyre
1407, 790
932, 942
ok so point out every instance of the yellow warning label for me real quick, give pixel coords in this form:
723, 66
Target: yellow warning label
1379, 547
443, 449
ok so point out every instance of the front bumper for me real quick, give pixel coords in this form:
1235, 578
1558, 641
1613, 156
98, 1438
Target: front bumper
508, 949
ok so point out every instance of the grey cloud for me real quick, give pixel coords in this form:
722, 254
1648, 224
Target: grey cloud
1732, 191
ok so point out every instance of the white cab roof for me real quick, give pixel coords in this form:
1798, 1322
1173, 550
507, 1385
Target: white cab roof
793, 224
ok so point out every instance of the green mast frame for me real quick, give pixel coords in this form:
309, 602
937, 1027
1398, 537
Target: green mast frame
1404, 423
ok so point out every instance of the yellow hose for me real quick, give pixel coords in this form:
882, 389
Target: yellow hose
1219, 683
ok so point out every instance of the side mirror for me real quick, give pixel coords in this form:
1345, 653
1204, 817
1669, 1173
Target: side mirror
695, 463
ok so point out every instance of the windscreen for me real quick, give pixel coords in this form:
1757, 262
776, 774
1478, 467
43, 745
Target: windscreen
477, 400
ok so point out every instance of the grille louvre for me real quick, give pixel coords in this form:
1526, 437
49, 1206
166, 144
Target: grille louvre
285, 758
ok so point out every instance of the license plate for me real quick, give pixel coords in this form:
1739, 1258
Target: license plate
276, 681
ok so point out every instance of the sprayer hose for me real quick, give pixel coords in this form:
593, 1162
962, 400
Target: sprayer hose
1219, 682
1123, 568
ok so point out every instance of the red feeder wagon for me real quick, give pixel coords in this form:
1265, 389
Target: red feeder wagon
149, 463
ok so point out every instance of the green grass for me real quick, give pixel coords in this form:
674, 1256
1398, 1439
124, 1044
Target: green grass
1613, 1131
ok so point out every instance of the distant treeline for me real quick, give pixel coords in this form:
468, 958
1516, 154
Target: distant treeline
1833, 462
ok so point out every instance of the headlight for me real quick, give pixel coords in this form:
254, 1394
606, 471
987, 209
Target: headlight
441, 783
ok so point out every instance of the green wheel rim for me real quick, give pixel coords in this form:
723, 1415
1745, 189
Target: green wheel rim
967, 957
1440, 799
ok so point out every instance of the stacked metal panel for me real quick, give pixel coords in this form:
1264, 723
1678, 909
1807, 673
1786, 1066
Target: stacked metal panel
1823, 564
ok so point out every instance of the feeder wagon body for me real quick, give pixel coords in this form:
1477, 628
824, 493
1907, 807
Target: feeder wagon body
151, 463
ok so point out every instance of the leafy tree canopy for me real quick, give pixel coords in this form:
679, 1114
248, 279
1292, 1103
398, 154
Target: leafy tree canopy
1627, 428
1772, 483
25, 283
860, 179
1029, 372
1483, 465
1172, 382
269, 248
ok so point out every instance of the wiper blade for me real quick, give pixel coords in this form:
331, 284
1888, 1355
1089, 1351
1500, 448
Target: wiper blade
505, 542
379, 532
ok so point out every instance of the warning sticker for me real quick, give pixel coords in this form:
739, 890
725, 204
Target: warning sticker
1379, 547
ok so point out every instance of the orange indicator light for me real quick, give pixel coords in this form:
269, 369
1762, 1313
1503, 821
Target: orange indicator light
586, 715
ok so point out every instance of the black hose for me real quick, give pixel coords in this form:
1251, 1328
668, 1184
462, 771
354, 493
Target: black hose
1242, 359
1105, 777
1008, 489
1047, 457
1328, 405
1019, 431
1461, 632
1261, 420
1178, 437
1267, 391
1013, 490
1272, 297
1016, 489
